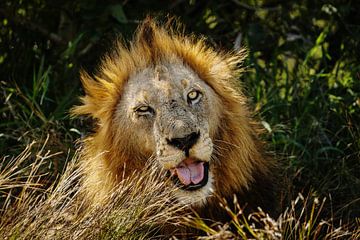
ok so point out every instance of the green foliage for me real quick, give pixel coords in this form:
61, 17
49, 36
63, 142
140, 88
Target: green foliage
303, 76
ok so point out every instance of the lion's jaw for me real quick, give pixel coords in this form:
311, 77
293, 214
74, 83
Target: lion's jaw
178, 131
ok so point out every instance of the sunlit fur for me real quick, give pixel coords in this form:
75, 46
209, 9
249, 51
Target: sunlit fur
109, 156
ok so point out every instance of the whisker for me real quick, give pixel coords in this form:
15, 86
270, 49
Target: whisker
217, 151
228, 143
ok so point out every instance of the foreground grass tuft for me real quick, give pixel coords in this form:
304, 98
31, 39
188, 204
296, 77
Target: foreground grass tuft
141, 207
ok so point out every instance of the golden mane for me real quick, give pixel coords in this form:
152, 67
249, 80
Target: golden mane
241, 151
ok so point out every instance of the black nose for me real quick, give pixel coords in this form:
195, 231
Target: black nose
184, 143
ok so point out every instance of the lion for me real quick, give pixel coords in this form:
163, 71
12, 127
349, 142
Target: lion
173, 98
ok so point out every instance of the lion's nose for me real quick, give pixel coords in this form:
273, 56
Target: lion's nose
184, 143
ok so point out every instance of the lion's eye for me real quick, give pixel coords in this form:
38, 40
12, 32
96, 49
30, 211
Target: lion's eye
144, 110
193, 96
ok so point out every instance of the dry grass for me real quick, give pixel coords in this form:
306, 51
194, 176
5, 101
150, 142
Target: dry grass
139, 209
303, 219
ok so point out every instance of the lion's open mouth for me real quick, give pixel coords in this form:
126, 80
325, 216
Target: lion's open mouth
190, 174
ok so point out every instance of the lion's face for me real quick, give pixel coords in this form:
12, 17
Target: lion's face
173, 116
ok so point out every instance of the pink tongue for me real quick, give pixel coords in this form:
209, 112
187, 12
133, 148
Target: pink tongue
192, 172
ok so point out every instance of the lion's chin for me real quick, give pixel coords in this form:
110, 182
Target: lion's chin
198, 197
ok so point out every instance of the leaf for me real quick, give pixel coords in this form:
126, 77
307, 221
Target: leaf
266, 126
117, 12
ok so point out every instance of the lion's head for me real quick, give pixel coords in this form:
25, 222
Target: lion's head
171, 98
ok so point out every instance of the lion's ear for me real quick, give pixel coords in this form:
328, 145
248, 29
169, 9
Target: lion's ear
147, 38
98, 99
146, 32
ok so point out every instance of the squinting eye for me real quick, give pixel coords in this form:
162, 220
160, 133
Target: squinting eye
194, 96
143, 110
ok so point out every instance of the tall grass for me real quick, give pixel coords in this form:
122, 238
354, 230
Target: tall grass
141, 207
138, 208
301, 220
311, 111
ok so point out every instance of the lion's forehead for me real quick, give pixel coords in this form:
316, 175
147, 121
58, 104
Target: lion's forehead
161, 82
